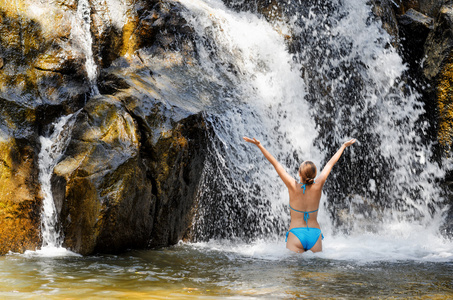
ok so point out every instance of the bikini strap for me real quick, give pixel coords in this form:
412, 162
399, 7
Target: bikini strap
306, 213
304, 186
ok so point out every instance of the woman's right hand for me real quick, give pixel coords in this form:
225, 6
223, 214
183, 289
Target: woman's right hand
253, 141
349, 143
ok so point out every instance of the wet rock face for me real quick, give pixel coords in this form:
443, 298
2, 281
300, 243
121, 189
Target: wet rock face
37, 63
128, 178
115, 193
439, 44
19, 190
178, 171
415, 28
105, 185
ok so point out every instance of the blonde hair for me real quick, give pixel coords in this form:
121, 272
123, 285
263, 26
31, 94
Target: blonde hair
307, 172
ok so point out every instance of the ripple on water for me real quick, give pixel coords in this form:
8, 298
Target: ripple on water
206, 271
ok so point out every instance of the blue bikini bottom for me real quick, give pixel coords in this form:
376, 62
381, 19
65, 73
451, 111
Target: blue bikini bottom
308, 236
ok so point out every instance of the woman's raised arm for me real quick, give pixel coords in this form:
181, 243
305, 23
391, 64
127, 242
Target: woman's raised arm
328, 167
287, 179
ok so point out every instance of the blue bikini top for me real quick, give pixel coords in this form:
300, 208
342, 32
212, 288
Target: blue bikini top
306, 213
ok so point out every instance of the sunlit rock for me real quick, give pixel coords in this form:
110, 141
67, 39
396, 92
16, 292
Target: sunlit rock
20, 201
38, 65
107, 197
116, 189
445, 101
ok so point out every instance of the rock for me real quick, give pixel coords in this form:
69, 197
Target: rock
19, 197
415, 21
431, 7
414, 28
402, 6
114, 192
382, 9
427, 7
439, 43
178, 162
117, 178
445, 101
39, 67
107, 196
20, 201
437, 69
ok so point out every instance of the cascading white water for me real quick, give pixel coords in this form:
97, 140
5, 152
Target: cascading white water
81, 36
352, 86
368, 98
246, 56
52, 148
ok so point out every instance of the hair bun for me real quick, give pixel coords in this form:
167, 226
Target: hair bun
310, 181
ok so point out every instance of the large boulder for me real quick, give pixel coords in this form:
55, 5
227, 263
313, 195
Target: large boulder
105, 185
115, 189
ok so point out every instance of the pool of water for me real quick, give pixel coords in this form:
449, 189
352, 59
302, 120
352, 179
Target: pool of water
222, 269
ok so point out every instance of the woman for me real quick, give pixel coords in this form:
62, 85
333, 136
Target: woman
304, 232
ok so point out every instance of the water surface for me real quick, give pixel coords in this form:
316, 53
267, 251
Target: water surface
221, 269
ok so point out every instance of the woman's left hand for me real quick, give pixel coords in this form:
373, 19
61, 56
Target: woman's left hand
253, 141
350, 142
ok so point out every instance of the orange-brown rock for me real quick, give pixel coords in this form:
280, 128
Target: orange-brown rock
20, 201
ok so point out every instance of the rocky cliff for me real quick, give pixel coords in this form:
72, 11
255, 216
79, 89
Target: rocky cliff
129, 175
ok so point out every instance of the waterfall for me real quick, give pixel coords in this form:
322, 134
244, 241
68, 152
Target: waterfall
52, 148
358, 87
81, 35
263, 97
336, 77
